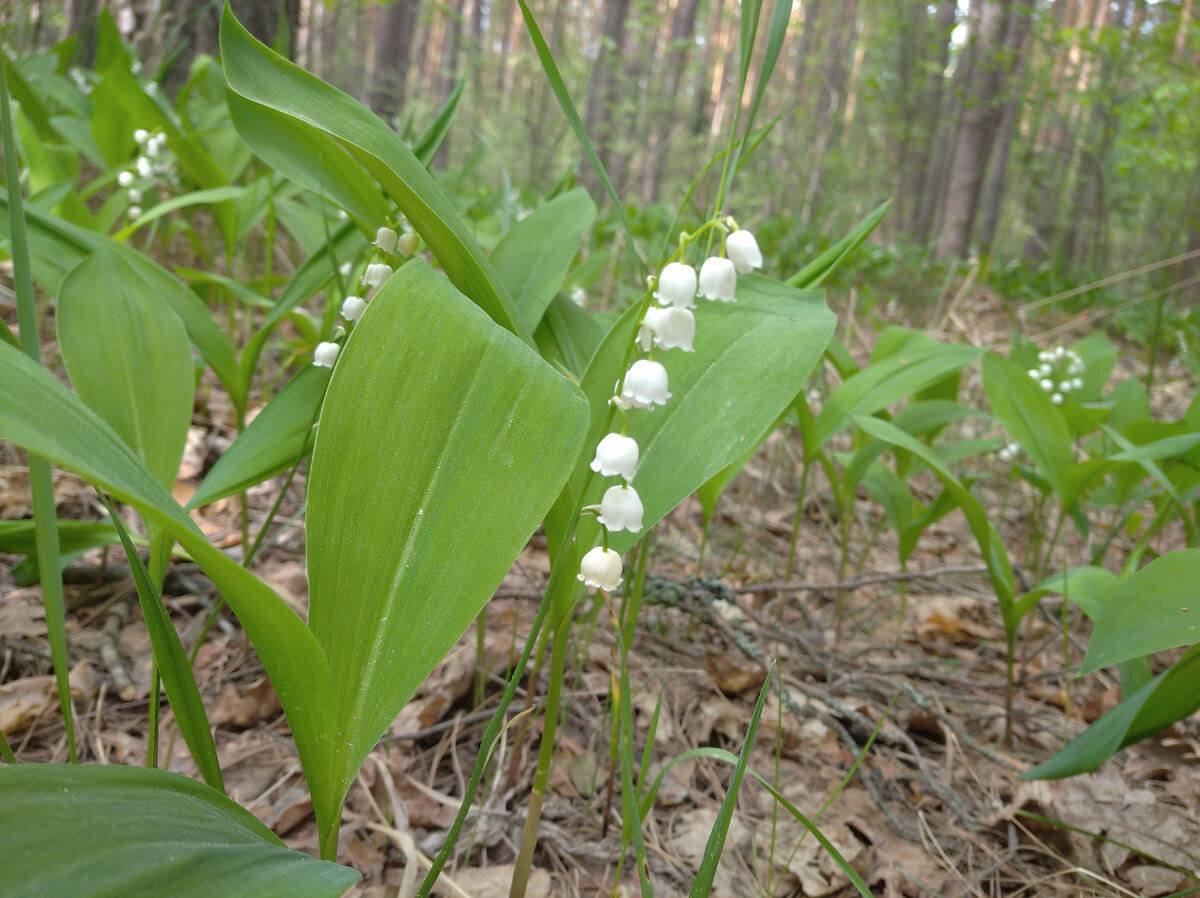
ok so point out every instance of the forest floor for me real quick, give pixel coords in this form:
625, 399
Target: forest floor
934, 806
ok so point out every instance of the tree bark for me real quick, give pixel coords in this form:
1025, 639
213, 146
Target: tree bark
664, 122
603, 91
986, 74
393, 55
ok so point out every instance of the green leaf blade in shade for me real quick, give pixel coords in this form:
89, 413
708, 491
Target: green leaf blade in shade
263, 77
134, 831
751, 359
1027, 413
443, 441
173, 664
533, 257
308, 156
58, 246
44, 417
812, 274
271, 443
129, 359
430, 142
1155, 609
1171, 696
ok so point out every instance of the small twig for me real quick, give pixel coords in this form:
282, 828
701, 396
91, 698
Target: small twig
857, 582
118, 612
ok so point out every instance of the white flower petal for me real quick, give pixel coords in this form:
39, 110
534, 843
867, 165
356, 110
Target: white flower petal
743, 251
601, 568
353, 308
621, 509
677, 286
385, 240
325, 355
718, 279
645, 384
616, 454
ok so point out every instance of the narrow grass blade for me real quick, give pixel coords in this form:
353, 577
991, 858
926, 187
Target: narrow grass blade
41, 478
550, 67
172, 662
628, 797
812, 274
716, 838
428, 144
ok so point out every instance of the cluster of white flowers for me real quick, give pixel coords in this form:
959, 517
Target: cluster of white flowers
668, 323
154, 169
388, 242
1009, 452
1059, 372
80, 80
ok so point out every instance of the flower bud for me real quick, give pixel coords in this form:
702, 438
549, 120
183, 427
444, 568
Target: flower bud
134, 212
677, 286
140, 136
135, 195
144, 166
407, 244
718, 279
385, 240
601, 568
1056, 398
743, 251
621, 509
325, 355
616, 454
645, 385
376, 274
353, 308
125, 178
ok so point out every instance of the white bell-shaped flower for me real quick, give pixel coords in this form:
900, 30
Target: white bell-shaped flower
135, 195
353, 308
649, 327
677, 286
325, 355
134, 212
1076, 383
616, 454
145, 167
743, 251
140, 136
645, 385
385, 240
376, 274
621, 509
125, 178
1056, 398
408, 243
718, 279
601, 568
1047, 384
677, 329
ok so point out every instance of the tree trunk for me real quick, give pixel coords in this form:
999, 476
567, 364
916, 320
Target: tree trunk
603, 89
923, 179
987, 71
393, 53
664, 121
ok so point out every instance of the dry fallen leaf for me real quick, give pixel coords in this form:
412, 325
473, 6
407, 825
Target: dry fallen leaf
29, 699
245, 708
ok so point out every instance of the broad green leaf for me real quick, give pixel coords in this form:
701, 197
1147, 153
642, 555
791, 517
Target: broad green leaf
172, 662
751, 359
58, 246
812, 274
129, 359
1027, 413
1156, 609
1171, 696
309, 157
263, 77
273, 441
889, 381
45, 418
533, 257
132, 831
443, 440
1088, 587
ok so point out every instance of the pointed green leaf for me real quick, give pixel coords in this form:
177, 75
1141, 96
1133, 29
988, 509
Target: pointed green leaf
132, 831
1157, 608
443, 440
533, 257
129, 359
42, 416
263, 77
272, 442
172, 662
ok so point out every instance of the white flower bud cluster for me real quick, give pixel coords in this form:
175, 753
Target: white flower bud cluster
153, 171
1059, 372
668, 323
1009, 453
388, 242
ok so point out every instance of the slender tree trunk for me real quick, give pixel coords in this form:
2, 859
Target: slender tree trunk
393, 54
603, 89
976, 133
925, 178
665, 123
711, 63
